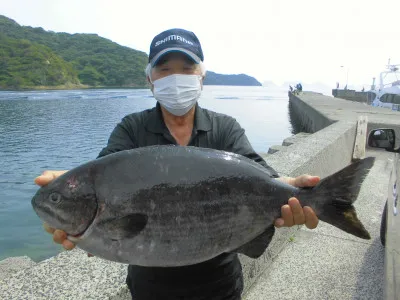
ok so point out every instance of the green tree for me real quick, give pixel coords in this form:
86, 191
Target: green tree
98, 61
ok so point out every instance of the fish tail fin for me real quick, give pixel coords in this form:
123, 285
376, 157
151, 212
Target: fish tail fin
336, 194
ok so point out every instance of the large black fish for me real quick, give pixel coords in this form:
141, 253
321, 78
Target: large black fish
175, 206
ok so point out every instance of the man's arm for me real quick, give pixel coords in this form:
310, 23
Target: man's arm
121, 138
236, 141
292, 213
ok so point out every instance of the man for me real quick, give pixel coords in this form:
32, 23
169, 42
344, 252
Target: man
175, 73
299, 87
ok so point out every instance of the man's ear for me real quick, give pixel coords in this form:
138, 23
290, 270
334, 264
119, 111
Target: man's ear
202, 81
150, 83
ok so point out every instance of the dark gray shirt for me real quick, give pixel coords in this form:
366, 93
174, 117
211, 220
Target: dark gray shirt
221, 275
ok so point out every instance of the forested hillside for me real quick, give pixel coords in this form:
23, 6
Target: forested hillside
34, 58
91, 59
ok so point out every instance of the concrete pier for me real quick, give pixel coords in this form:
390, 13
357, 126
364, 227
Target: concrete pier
324, 263
327, 263
352, 95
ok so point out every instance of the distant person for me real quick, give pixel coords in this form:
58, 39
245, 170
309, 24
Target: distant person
299, 87
337, 85
291, 88
175, 73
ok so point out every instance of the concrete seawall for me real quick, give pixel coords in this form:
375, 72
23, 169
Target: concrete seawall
352, 95
337, 109
72, 275
327, 263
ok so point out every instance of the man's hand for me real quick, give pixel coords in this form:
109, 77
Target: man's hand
59, 236
293, 213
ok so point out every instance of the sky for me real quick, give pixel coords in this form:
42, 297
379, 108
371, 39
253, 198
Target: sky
304, 41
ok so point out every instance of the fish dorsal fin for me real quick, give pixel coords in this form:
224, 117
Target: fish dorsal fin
256, 247
127, 226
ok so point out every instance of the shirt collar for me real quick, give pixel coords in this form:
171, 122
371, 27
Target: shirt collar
201, 119
155, 121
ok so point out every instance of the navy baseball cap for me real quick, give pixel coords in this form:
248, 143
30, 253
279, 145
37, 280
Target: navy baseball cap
175, 40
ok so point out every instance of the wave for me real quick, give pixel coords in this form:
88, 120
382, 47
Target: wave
228, 98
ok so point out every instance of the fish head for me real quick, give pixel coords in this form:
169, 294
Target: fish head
68, 203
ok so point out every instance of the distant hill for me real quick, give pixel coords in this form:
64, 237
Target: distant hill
222, 79
93, 60
36, 58
25, 64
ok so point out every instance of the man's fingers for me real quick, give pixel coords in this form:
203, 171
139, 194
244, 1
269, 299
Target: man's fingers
306, 180
297, 211
287, 215
54, 173
293, 214
43, 180
279, 222
48, 176
59, 236
311, 217
68, 245
48, 228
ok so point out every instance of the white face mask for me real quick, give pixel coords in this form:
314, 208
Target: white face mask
177, 93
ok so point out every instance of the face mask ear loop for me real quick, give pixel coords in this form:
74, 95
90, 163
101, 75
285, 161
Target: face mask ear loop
200, 81
150, 75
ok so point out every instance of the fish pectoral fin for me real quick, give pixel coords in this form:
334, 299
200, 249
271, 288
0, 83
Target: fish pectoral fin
127, 226
256, 247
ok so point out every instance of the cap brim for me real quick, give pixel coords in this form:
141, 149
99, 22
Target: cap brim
159, 55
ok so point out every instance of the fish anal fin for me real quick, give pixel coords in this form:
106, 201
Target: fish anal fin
256, 247
127, 226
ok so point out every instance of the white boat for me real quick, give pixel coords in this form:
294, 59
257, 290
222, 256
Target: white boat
388, 93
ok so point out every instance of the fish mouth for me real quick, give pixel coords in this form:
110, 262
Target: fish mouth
81, 236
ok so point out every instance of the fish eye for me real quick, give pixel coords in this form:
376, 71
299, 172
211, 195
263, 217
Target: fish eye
55, 197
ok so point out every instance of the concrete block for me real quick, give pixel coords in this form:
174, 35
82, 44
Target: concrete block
295, 138
275, 148
70, 275
322, 153
262, 154
304, 116
12, 265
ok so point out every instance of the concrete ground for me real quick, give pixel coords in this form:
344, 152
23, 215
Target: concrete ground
327, 263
